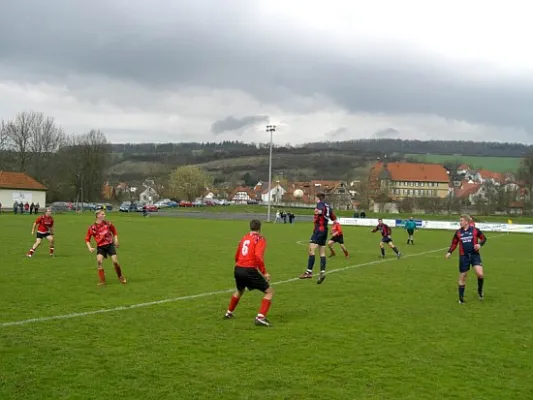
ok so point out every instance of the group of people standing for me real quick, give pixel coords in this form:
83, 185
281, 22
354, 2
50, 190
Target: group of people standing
25, 208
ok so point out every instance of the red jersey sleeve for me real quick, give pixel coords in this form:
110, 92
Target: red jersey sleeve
455, 242
113, 229
38, 220
89, 234
260, 248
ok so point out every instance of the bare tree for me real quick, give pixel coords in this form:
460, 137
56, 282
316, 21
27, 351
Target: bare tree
20, 134
525, 174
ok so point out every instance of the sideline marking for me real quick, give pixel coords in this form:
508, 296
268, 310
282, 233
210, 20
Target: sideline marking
206, 294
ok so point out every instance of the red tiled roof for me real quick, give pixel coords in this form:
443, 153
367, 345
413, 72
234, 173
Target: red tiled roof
486, 174
246, 190
467, 189
19, 180
463, 166
412, 172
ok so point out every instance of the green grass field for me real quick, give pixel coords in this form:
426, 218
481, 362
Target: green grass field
495, 164
375, 329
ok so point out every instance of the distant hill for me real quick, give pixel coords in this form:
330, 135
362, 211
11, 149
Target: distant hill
325, 160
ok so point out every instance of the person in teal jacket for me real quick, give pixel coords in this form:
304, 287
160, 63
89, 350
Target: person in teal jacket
410, 227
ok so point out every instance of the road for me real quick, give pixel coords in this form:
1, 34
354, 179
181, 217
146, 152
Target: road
223, 215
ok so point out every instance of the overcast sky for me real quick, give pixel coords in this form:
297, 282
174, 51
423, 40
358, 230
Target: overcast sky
212, 70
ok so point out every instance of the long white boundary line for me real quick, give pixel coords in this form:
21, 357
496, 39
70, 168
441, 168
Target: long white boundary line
199, 295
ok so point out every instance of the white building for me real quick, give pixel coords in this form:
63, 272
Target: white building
19, 187
276, 193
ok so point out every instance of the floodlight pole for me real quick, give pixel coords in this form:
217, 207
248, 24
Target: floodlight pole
270, 129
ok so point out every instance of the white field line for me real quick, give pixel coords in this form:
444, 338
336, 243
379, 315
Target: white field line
199, 295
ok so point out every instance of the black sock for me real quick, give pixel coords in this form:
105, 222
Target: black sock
322, 264
395, 249
310, 263
461, 292
382, 251
480, 286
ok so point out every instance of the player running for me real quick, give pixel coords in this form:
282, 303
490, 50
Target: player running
470, 240
323, 214
410, 227
250, 272
106, 237
386, 238
337, 237
45, 229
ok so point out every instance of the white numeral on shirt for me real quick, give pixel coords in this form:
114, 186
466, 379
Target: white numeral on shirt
244, 250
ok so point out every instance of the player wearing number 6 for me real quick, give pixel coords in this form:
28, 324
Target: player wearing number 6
250, 272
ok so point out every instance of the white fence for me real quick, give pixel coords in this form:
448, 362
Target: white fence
443, 225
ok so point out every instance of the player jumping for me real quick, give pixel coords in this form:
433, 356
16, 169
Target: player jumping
337, 237
106, 237
250, 272
385, 238
470, 240
323, 214
45, 229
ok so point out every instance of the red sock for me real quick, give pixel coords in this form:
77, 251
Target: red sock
233, 303
32, 250
332, 251
265, 305
118, 270
346, 253
101, 274
51, 250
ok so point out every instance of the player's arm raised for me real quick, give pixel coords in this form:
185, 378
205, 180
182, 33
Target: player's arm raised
260, 248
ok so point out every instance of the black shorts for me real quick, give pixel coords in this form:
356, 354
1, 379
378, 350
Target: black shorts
319, 238
107, 250
43, 235
410, 232
468, 260
386, 239
337, 239
250, 278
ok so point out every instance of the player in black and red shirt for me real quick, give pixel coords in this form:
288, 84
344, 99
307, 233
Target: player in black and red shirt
250, 272
337, 237
323, 214
106, 237
386, 238
469, 239
45, 230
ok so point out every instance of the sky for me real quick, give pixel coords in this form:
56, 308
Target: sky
213, 70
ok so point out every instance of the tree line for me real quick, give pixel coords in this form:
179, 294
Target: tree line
72, 166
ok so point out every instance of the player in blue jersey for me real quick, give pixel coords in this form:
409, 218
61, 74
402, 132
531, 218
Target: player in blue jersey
469, 239
323, 214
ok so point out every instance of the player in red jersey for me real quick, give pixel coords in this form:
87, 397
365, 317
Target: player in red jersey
337, 237
45, 229
106, 237
250, 272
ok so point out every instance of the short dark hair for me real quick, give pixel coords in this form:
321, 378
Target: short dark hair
321, 196
255, 225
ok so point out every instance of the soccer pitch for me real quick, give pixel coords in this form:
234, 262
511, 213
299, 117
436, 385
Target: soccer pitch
375, 329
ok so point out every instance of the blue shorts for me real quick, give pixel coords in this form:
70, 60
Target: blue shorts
319, 238
469, 260
386, 239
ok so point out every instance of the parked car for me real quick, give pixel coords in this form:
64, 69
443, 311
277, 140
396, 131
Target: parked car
128, 206
185, 203
149, 207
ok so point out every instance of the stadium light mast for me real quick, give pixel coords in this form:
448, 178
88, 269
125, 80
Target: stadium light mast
270, 129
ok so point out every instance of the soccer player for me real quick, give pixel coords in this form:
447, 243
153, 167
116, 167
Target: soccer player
471, 221
250, 272
337, 237
410, 227
106, 237
386, 232
323, 214
45, 229
470, 240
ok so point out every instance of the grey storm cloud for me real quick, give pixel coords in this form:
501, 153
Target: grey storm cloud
214, 44
232, 124
386, 133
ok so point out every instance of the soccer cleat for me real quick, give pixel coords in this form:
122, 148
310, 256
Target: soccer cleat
398, 255
481, 297
228, 315
261, 321
122, 280
101, 283
461, 302
306, 275
321, 278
